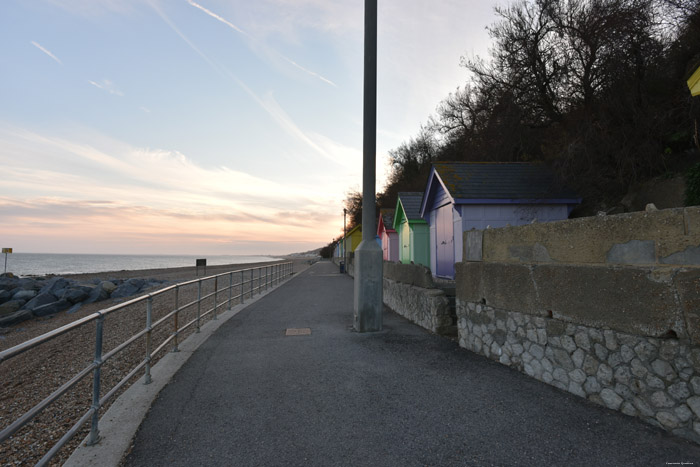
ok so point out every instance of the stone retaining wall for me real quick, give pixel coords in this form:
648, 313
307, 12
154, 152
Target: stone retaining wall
428, 308
657, 380
607, 308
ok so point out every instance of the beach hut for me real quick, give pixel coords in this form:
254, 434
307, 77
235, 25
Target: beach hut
353, 238
388, 236
462, 196
412, 229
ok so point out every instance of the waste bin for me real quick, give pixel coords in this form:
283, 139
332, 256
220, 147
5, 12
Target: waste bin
342, 267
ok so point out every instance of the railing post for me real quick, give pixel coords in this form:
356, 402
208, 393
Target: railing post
175, 318
267, 278
252, 277
216, 292
230, 289
94, 429
199, 302
240, 298
149, 310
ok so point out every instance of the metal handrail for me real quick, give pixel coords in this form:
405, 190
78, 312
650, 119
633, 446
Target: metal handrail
274, 274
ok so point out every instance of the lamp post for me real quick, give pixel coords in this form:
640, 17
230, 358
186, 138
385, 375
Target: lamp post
368, 301
345, 256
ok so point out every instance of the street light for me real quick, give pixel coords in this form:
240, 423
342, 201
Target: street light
345, 256
368, 301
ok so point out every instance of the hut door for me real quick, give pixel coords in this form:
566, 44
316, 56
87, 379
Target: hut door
405, 242
445, 251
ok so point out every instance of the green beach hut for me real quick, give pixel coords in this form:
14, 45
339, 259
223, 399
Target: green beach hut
412, 229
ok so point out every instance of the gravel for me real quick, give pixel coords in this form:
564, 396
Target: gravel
31, 376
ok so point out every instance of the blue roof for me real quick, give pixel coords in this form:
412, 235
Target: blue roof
411, 201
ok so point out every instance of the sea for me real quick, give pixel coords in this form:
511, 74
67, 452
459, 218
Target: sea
41, 264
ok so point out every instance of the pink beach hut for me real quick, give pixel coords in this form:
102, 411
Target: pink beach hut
388, 236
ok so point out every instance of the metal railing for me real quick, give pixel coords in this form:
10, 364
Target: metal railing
250, 282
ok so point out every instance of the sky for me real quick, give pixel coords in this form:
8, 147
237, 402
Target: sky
208, 126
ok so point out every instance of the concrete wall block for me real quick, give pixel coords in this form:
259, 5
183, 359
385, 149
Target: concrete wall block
632, 252
505, 286
412, 274
692, 220
687, 284
631, 300
473, 245
590, 239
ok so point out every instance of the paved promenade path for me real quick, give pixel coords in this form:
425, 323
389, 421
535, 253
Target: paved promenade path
251, 396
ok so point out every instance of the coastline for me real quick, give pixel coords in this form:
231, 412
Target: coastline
55, 361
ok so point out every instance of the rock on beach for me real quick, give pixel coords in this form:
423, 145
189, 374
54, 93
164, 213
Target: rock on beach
26, 298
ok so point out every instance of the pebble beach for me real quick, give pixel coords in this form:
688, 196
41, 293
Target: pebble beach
33, 375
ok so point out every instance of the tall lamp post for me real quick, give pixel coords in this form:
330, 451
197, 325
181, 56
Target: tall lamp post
345, 241
368, 301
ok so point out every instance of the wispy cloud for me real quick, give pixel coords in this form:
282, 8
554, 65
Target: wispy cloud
177, 31
274, 52
269, 104
219, 18
107, 85
312, 73
46, 51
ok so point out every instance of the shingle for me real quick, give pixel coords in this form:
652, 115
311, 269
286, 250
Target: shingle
513, 180
411, 200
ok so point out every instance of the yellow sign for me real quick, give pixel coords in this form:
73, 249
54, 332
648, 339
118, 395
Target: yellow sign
694, 83
7, 250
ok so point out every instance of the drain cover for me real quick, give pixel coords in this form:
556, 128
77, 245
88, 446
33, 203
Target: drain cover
297, 332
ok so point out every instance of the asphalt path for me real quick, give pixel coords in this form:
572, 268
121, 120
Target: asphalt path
253, 396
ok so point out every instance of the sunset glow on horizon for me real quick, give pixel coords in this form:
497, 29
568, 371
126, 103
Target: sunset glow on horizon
207, 127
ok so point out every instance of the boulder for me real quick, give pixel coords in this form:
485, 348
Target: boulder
128, 288
76, 294
74, 308
55, 284
14, 318
97, 294
42, 299
6, 295
10, 307
51, 308
29, 283
109, 286
25, 295
8, 284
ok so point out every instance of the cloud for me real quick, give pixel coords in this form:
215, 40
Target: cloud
107, 85
269, 49
269, 104
38, 46
104, 192
312, 73
218, 18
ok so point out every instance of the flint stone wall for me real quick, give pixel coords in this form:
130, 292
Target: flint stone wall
657, 380
410, 292
607, 308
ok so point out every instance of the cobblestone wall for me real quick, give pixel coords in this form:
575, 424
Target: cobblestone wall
429, 308
655, 379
